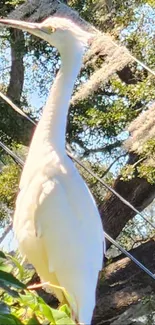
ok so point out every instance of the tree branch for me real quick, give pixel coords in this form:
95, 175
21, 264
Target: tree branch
106, 148
17, 68
114, 213
124, 285
10, 122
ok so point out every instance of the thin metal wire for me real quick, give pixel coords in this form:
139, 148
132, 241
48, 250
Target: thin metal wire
131, 257
136, 60
113, 241
18, 160
15, 107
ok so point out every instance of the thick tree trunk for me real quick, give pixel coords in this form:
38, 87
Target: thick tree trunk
114, 213
17, 68
122, 284
10, 121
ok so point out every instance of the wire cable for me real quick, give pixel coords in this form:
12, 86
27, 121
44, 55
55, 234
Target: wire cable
15, 107
131, 257
18, 160
130, 55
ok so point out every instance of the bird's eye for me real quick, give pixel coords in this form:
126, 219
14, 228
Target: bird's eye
51, 29
48, 29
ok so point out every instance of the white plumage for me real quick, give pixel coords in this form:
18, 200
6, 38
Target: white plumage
56, 221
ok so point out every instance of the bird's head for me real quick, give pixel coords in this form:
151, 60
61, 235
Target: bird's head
61, 33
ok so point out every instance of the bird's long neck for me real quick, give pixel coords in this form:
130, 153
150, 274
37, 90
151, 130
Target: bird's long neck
50, 132
52, 126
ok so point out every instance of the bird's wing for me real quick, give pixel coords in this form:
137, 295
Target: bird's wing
73, 252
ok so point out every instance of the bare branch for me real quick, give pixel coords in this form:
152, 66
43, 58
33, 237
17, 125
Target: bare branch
106, 148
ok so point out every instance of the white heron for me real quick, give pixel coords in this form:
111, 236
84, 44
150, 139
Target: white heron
56, 221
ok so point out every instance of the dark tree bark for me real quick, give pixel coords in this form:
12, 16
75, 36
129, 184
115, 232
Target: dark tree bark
13, 125
17, 67
128, 76
114, 213
122, 284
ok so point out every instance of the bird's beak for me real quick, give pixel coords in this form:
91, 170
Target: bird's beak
33, 28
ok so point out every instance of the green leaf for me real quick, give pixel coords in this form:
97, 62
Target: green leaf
29, 300
11, 292
5, 266
66, 310
9, 280
61, 317
18, 265
38, 305
66, 321
47, 312
4, 308
9, 320
2, 255
33, 321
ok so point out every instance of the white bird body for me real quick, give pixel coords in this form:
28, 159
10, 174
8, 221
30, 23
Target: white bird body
60, 234
56, 221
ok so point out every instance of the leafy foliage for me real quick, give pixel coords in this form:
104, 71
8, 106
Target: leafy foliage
9, 174
9, 179
19, 306
144, 167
